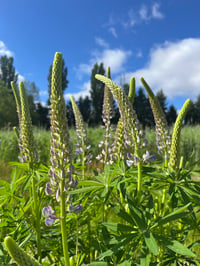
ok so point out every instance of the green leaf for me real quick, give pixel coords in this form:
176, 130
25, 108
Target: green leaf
177, 214
96, 263
119, 227
179, 248
107, 253
151, 242
90, 183
145, 261
137, 216
124, 215
175, 246
85, 189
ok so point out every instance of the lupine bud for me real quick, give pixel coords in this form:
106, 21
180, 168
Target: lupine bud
175, 147
19, 255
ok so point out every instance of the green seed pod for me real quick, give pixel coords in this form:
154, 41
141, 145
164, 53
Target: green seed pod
175, 147
18, 254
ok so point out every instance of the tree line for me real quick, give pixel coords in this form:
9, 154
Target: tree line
90, 106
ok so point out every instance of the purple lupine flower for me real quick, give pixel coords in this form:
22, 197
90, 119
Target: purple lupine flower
78, 208
48, 189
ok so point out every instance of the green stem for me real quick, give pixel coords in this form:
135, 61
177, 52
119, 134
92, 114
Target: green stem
139, 183
63, 223
83, 160
89, 238
36, 211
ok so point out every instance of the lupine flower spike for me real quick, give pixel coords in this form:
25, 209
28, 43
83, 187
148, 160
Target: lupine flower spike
27, 148
119, 147
130, 123
175, 147
105, 155
163, 137
82, 147
17, 100
61, 167
19, 255
26, 142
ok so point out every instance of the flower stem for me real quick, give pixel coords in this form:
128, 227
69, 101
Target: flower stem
63, 223
139, 184
36, 211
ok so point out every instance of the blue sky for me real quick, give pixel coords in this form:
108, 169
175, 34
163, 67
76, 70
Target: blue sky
159, 40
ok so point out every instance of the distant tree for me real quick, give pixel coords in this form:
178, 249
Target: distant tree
42, 115
171, 115
8, 114
32, 89
64, 79
162, 98
197, 106
7, 71
70, 114
143, 109
191, 117
84, 105
96, 93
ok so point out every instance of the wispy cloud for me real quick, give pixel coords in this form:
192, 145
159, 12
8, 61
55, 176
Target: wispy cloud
143, 13
101, 42
173, 67
156, 13
148, 13
4, 50
134, 17
113, 31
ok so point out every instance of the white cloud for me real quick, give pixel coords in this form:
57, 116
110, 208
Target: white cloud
173, 67
84, 91
101, 42
114, 58
112, 30
4, 50
21, 78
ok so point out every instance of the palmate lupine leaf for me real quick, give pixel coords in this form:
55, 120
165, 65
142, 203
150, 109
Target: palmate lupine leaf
175, 147
18, 254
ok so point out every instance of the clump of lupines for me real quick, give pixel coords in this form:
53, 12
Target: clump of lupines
175, 147
105, 156
82, 147
26, 141
19, 255
163, 137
